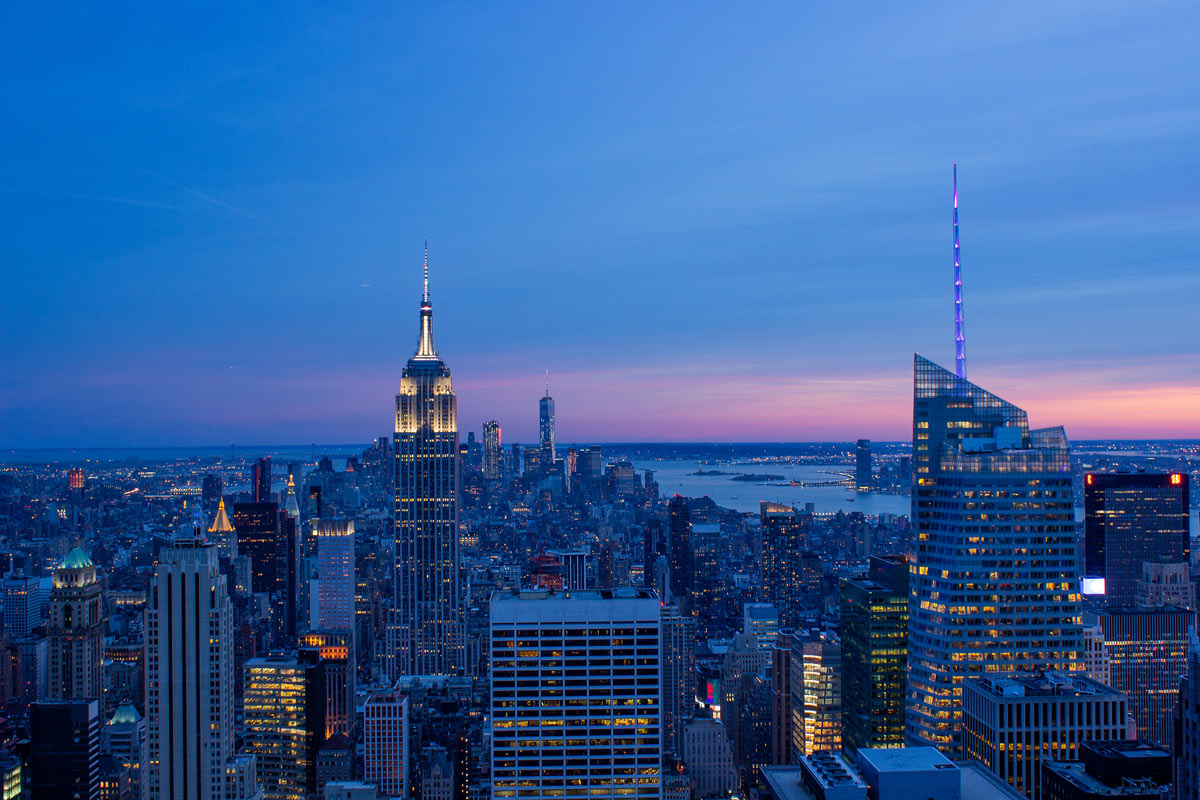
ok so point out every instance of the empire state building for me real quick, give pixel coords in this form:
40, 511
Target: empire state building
428, 622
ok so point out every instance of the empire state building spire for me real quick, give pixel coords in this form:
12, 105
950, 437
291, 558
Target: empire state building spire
425, 348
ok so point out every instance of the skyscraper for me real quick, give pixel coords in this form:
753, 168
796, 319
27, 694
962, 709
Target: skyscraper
260, 480
189, 672
23, 600
546, 428
1187, 754
493, 454
782, 543
816, 691
995, 579
874, 656
385, 742
678, 676
335, 571
76, 630
589, 664
862, 464
682, 573
257, 528
1129, 519
64, 749
283, 709
124, 737
428, 623
1148, 655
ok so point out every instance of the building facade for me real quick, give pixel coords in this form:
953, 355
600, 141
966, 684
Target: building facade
76, 630
874, 633
385, 742
995, 578
189, 673
428, 624
576, 695
1010, 723
1130, 518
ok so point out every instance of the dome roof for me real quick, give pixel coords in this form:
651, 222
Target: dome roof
76, 559
125, 714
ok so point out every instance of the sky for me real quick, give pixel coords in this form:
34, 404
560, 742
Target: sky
709, 221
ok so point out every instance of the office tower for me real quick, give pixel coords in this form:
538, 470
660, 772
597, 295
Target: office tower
283, 710
678, 676
257, 528
781, 700
64, 749
22, 605
593, 651
335, 570
211, 489
1147, 655
333, 652
428, 625
709, 758
708, 584
75, 479
76, 630
1128, 519
493, 452
1165, 584
221, 533
783, 540
1010, 722
743, 662
682, 567
189, 672
761, 620
124, 738
546, 427
816, 676
874, 631
862, 464
1120, 770
574, 568
260, 481
385, 742
995, 580
1187, 725
286, 596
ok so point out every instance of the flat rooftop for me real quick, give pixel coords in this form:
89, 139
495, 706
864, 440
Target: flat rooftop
905, 759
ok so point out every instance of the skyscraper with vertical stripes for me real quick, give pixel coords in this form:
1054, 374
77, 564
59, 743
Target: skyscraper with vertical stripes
994, 583
428, 619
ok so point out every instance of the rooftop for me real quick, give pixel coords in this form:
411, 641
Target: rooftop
1045, 684
905, 759
76, 559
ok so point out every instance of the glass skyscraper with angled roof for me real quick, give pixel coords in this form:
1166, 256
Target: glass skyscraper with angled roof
994, 585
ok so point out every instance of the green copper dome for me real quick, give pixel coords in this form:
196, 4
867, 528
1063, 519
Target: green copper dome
76, 559
125, 714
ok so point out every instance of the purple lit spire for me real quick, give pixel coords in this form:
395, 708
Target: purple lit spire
960, 337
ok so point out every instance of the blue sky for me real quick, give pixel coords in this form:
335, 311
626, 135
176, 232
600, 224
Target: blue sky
709, 221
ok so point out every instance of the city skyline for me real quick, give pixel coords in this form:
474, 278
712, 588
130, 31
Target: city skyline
268, 252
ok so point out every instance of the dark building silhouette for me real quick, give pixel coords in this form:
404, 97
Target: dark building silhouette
64, 749
261, 480
862, 463
1131, 518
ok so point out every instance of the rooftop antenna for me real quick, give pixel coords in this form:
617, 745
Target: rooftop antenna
960, 337
547, 382
425, 297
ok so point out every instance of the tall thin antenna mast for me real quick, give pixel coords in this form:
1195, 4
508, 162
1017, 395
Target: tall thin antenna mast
547, 382
425, 297
960, 336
